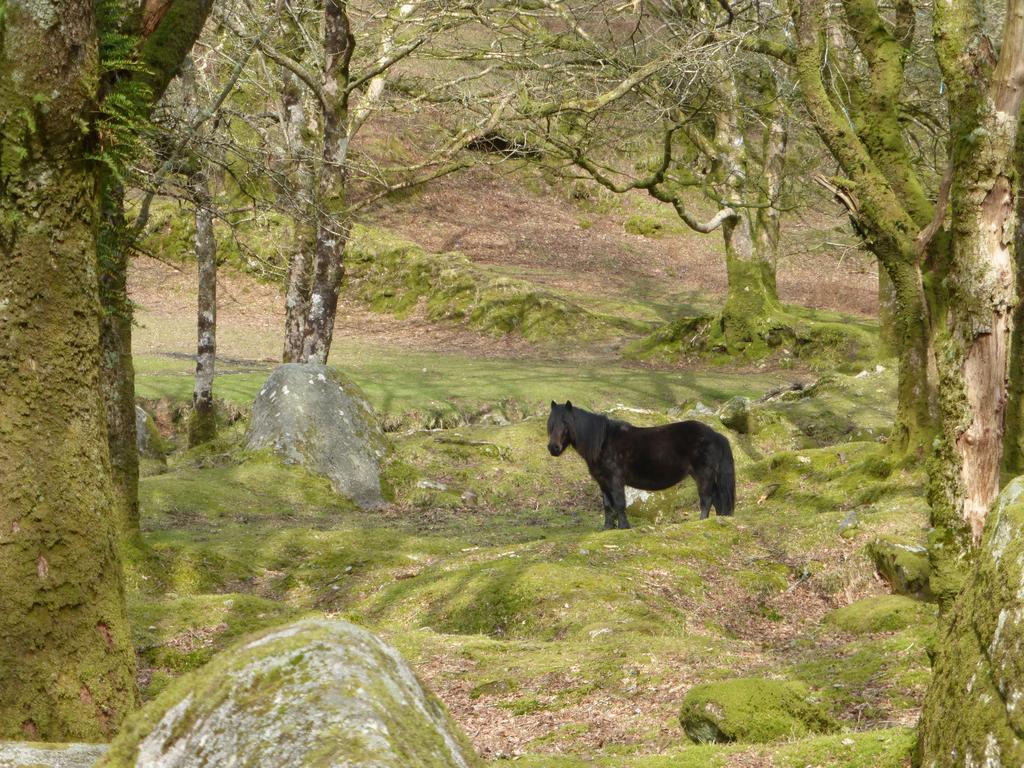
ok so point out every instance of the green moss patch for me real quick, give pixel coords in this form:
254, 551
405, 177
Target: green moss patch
751, 710
882, 613
396, 276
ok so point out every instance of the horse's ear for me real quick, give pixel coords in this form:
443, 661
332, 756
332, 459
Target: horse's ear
568, 405
554, 404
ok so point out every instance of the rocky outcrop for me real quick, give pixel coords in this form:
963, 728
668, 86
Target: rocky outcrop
973, 713
309, 414
317, 692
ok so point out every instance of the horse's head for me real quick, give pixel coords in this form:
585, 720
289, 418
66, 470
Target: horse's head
559, 437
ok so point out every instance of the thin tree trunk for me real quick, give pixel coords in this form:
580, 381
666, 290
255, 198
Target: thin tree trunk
296, 302
66, 660
300, 262
332, 219
117, 374
203, 422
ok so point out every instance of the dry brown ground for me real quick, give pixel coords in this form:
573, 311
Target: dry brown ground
494, 219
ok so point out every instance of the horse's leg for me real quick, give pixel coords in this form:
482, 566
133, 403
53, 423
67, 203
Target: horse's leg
706, 490
619, 503
609, 509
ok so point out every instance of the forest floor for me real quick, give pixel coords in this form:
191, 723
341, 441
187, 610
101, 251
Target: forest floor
552, 643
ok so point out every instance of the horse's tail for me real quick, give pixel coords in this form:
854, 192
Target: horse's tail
724, 497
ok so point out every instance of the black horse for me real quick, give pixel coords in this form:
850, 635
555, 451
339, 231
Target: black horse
649, 458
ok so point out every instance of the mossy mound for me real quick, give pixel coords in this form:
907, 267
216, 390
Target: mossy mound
316, 692
751, 709
882, 613
396, 276
979, 668
823, 339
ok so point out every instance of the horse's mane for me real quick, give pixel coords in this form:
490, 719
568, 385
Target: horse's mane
589, 431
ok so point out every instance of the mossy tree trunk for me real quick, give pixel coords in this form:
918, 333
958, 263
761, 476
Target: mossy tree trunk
963, 328
117, 373
888, 341
752, 310
165, 33
880, 188
66, 660
751, 184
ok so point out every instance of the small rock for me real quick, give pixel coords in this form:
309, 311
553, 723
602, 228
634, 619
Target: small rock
431, 485
468, 497
849, 523
904, 565
738, 416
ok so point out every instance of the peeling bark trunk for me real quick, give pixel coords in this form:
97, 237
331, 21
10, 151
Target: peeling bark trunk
203, 422
973, 349
117, 374
66, 660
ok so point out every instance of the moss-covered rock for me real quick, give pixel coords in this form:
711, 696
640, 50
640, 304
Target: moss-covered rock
978, 682
310, 414
881, 613
738, 416
313, 693
150, 443
751, 710
23, 754
904, 565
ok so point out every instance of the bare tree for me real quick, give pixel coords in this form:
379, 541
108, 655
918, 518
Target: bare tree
327, 88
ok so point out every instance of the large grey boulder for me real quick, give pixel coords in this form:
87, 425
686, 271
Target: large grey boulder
311, 415
22, 754
315, 693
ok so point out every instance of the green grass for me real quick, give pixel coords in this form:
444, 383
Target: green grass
401, 382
